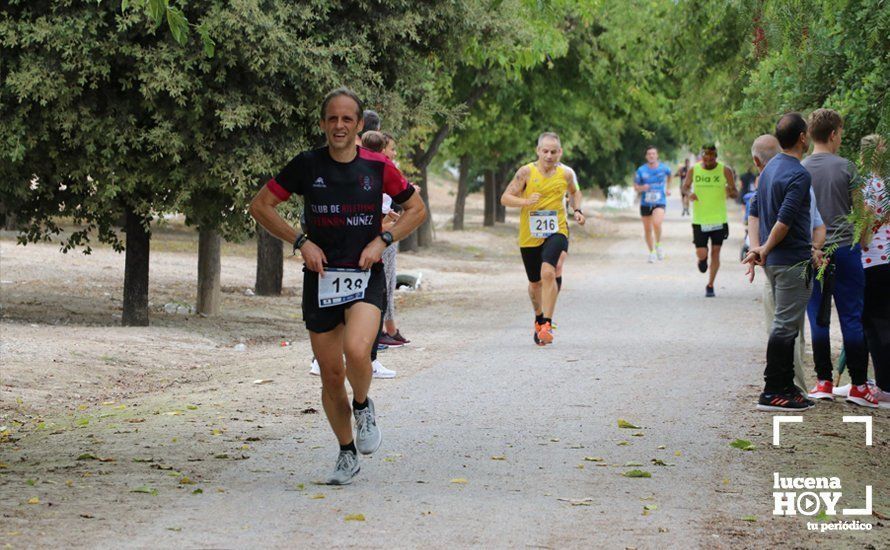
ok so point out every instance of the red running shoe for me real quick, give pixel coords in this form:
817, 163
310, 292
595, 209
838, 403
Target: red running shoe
545, 334
862, 396
824, 390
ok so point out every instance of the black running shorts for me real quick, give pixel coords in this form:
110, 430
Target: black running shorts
646, 211
700, 238
549, 252
324, 319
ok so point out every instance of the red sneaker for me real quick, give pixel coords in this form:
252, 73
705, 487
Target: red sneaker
824, 390
545, 334
862, 396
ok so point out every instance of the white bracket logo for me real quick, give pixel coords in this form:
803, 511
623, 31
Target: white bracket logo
788, 497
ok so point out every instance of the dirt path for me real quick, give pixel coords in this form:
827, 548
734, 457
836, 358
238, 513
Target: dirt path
488, 440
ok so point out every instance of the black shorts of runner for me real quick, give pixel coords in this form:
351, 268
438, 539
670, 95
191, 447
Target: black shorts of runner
324, 319
700, 238
549, 252
646, 211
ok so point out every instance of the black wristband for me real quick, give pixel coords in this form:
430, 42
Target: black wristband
301, 240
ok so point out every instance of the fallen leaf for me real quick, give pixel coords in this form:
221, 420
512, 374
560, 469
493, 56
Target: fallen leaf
633, 464
186, 481
577, 501
83, 421
594, 458
145, 489
749, 518
221, 455
309, 410
3, 465
262, 381
87, 516
191, 407
355, 517
743, 444
317, 496
625, 424
174, 529
554, 439
678, 453
650, 507
660, 462
623, 443
197, 491
636, 473
87, 456
661, 447
638, 434
879, 515
33, 500
459, 480
499, 457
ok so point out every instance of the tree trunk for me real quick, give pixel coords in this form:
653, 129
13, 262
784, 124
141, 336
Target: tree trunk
490, 189
425, 235
501, 182
136, 271
463, 183
269, 263
209, 293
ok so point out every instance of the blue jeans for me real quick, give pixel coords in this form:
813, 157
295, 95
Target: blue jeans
848, 294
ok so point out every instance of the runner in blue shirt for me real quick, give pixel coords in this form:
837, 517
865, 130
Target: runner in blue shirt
652, 181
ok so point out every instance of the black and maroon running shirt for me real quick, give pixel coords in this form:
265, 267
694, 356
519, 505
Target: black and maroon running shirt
342, 201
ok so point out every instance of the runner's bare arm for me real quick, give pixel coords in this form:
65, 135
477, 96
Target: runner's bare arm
731, 190
264, 210
513, 193
576, 198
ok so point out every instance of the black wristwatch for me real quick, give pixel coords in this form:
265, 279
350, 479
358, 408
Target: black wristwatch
301, 240
387, 237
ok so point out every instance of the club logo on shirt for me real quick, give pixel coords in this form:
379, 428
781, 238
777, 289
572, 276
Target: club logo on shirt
319, 182
366, 183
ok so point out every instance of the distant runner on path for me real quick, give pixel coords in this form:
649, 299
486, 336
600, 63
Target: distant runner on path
539, 189
709, 183
653, 181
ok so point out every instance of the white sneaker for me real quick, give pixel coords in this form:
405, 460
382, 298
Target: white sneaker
659, 252
842, 391
652, 257
379, 371
315, 370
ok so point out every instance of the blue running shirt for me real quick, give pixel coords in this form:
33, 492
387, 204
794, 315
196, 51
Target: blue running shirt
657, 179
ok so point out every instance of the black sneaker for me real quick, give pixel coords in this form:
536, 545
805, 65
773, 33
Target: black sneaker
703, 266
783, 402
709, 292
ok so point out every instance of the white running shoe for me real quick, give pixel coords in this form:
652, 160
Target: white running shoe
842, 391
652, 257
315, 369
379, 371
659, 252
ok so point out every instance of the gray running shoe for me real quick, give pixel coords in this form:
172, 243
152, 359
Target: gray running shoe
346, 469
367, 434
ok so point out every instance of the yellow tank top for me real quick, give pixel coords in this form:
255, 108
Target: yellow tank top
553, 191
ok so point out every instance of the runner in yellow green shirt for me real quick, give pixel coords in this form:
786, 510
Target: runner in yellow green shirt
539, 190
709, 183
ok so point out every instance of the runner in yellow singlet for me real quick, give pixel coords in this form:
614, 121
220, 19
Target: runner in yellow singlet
708, 184
539, 189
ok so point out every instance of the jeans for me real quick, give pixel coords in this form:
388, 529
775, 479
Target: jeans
790, 291
876, 321
849, 289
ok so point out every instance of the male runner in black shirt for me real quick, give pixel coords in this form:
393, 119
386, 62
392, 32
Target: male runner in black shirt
342, 186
